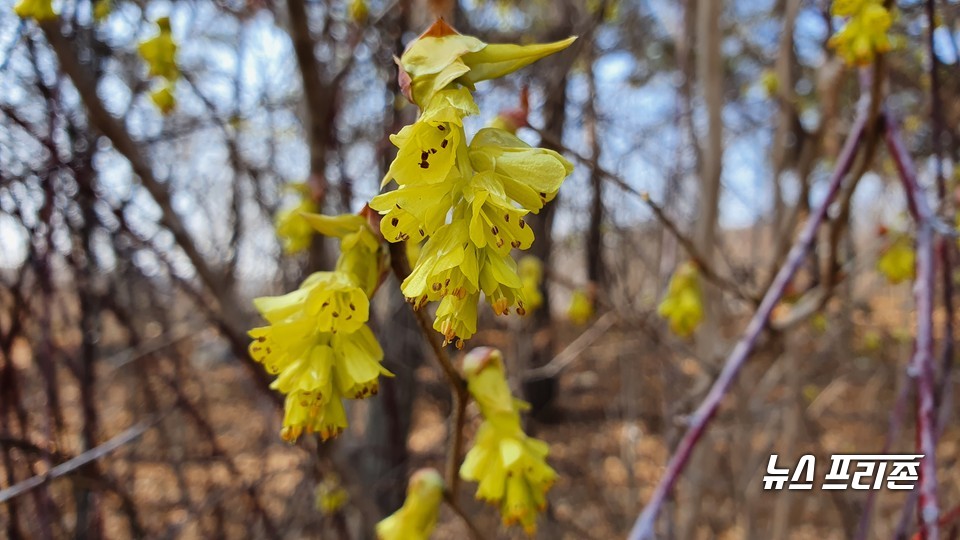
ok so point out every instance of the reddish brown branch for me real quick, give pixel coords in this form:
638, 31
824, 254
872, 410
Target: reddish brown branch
644, 526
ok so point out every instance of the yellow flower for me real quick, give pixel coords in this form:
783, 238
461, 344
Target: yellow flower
531, 274
509, 467
361, 254
159, 52
102, 9
311, 412
318, 345
456, 318
898, 261
331, 496
865, 34
358, 11
38, 10
530, 176
448, 265
441, 56
683, 305
164, 99
581, 307
293, 230
464, 204
500, 283
416, 519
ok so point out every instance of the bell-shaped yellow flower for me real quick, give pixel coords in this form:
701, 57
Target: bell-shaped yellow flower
311, 412
500, 283
442, 56
509, 466
416, 519
898, 261
164, 99
38, 10
530, 176
361, 254
294, 231
581, 307
683, 304
448, 265
160, 51
456, 318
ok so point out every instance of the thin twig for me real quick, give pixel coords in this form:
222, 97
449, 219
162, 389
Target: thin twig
644, 526
708, 272
125, 437
401, 269
922, 364
471, 526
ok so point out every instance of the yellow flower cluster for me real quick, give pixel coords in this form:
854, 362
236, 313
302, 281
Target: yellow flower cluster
417, 517
510, 467
683, 304
159, 52
865, 34
466, 200
38, 10
292, 228
898, 261
317, 342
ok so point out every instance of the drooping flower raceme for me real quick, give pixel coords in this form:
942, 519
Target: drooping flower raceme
317, 341
683, 304
865, 34
417, 517
509, 466
465, 199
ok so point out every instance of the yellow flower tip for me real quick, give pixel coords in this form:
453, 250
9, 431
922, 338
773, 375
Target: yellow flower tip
479, 359
439, 29
501, 306
416, 519
38, 10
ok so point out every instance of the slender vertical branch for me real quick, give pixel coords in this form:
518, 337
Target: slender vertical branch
922, 365
643, 528
401, 269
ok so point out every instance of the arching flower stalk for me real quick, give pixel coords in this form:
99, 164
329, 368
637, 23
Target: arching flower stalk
509, 466
318, 343
466, 199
